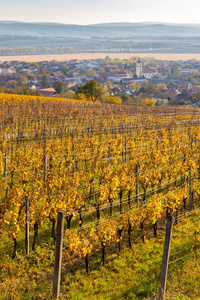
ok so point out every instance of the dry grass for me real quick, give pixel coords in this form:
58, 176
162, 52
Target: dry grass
63, 57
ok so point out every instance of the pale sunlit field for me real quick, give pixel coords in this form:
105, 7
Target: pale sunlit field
80, 56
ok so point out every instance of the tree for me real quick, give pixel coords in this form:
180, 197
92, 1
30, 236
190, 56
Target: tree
196, 97
19, 67
92, 90
35, 65
176, 72
150, 89
68, 95
92, 73
83, 72
108, 59
12, 84
59, 87
109, 84
125, 98
148, 102
134, 86
162, 87
44, 81
63, 68
80, 96
23, 80
116, 100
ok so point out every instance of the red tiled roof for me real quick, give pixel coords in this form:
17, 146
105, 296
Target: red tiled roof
48, 90
183, 85
113, 74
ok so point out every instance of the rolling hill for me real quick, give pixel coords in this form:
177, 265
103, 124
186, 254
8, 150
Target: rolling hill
109, 30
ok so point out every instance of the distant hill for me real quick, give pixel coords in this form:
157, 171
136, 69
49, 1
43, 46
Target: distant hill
19, 38
101, 31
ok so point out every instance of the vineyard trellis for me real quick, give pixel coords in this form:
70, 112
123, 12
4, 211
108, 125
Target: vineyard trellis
113, 170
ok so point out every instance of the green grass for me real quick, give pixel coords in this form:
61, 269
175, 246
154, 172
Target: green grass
132, 274
129, 275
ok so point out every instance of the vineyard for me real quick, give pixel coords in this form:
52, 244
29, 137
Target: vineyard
116, 172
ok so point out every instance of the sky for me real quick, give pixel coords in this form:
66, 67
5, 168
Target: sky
100, 11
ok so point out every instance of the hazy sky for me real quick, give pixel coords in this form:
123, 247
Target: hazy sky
100, 11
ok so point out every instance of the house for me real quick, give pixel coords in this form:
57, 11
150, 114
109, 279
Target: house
149, 72
185, 72
35, 86
88, 78
128, 91
73, 61
32, 69
196, 104
5, 71
11, 70
87, 66
195, 89
117, 77
139, 80
47, 92
25, 70
172, 94
70, 82
184, 86
98, 60
61, 77
115, 91
160, 101
74, 88
34, 80
15, 62
55, 76
162, 72
172, 86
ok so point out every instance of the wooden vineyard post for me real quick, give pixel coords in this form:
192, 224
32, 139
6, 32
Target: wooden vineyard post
27, 224
190, 188
73, 155
195, 249
125, 149
183, 176
58, 255
18, 136
44, 140
5, 166
45, 167
165, 259
94, 192
137, 183
109, 154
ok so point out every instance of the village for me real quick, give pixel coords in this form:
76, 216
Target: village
167, 82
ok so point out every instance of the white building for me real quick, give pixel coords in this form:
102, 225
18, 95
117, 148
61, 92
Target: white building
146, 72
117, 77
149, 72
139, 68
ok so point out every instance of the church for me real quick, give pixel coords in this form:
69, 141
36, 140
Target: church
139, 68
146, 72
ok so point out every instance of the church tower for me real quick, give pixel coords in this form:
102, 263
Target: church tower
139, 68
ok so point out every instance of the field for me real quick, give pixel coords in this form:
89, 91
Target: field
116, 172
63, 57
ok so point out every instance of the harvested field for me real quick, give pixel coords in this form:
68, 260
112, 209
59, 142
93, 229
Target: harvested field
63, 57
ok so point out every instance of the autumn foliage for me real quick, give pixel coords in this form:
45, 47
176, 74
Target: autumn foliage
92, 151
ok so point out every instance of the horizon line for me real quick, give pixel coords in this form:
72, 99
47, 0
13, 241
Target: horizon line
101, 23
